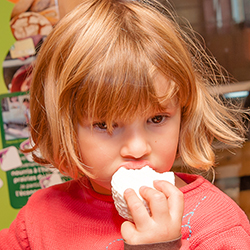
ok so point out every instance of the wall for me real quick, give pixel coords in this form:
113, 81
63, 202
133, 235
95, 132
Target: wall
7, 213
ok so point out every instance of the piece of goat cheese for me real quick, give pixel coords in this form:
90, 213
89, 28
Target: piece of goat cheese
134, 178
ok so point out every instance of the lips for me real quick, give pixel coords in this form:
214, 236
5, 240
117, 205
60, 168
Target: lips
136, 164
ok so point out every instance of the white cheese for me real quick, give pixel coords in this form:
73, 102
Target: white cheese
134, 178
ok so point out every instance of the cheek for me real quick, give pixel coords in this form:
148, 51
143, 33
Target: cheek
166, 149
167, 159
97, 157
168, 142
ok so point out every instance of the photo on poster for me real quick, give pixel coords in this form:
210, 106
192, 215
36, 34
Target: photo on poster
15, 115
31, 21
9, 159
24, 176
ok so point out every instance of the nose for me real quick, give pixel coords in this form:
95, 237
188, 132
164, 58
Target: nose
136, 143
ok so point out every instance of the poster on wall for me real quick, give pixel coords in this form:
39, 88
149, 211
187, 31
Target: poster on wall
24, 176
26, 24
30, 22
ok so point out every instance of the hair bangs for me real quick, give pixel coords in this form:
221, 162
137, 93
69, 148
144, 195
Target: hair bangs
122, 85
116, 95
122, 98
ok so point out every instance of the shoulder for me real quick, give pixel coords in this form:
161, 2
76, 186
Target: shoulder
55, 195
47, 207
52, 203
42, 218
209, 212
202, 195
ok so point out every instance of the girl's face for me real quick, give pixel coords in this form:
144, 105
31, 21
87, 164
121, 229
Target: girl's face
150, 139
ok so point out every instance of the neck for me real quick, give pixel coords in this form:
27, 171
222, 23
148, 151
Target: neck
99, 189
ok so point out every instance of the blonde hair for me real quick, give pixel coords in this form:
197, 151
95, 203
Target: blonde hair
100, 61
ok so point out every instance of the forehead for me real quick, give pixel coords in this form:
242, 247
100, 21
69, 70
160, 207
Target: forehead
165, 88
161, 84
138, 101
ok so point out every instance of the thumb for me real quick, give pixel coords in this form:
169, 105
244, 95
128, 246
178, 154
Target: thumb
127, 230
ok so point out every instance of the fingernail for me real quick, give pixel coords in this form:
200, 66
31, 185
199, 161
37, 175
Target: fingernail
128, 190
142, 188
155, 182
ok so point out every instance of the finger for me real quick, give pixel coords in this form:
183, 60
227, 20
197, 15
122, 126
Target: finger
136, 207
157, 202
128, 230
174, 197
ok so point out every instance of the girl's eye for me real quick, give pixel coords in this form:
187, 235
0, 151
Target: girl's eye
157, 119
100, 125
103, 126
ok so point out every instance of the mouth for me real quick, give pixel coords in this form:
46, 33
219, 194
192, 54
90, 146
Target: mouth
136, 164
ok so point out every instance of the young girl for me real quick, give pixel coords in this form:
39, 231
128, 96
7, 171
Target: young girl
118, 83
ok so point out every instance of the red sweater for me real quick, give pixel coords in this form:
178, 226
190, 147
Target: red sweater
73, 216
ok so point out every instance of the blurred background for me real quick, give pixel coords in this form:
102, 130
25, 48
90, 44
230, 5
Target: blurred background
225, 27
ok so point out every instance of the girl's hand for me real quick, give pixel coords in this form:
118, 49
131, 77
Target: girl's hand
166, 205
